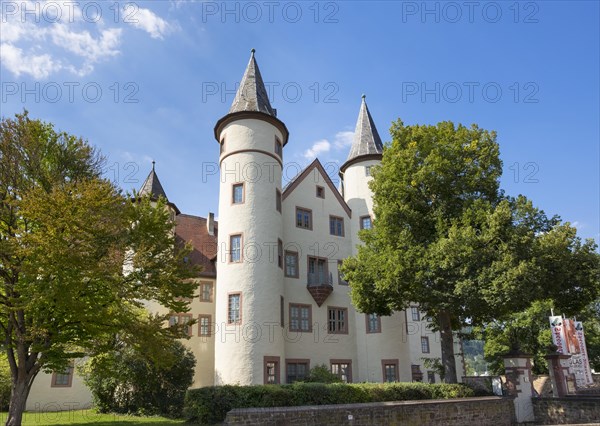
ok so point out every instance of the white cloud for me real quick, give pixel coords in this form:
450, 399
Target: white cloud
343, 139
145, 19
578, 225
318, 147
83, 44
18, 62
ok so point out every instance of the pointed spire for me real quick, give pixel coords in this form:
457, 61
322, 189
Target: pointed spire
366, 139
152, 185
252, 95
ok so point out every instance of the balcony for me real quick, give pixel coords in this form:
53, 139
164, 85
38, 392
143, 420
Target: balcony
320, 286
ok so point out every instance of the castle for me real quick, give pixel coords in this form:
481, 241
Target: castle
271, 302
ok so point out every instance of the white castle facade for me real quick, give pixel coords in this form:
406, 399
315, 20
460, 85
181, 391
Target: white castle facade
271, 303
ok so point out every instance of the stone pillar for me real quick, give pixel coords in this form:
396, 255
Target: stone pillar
563, 381
520, 385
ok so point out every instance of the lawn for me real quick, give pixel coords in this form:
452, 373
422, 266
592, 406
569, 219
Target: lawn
89, 418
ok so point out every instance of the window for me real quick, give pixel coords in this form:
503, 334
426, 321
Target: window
234, 309
414, 312
416, 374
341, 280
373, 323
281, 311
204, 328
235, 244
291, 264
368, 171
296, 370
431, 376
303, 218
278, 147
390, 370
206, 291
320, 192
62, 379
181, 320
278, 200
280, 253
317, 271
337, 320
365, 222
222, 147
336, 226
271, 367
237, 192
300, 317
343, 368
425, 345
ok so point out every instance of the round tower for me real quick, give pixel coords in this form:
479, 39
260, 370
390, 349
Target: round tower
249, 347
355, 173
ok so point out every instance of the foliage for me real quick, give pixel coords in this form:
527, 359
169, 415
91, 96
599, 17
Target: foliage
65, 234
5, 382
322, 374
126, 381
446, 237
211, 404
529, 331
474, 360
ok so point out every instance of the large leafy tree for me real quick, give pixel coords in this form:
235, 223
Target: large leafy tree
446, 237
65, 236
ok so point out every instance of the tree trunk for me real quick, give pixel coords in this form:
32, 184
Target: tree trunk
447, 340
18, 399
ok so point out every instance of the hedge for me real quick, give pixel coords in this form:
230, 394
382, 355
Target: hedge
210, 405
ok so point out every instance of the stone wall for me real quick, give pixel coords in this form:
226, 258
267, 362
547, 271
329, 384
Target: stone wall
482, 411
567, 410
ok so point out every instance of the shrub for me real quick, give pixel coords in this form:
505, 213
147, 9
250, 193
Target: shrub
125, 381
211, 404
322, 374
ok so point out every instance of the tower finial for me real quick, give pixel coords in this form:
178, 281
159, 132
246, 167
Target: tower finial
364, 96
153, 164
252, 51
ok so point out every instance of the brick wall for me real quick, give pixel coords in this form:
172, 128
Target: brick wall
480, 411
566, 410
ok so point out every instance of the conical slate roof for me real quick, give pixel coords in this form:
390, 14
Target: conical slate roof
252, 95
152, 186
366, 139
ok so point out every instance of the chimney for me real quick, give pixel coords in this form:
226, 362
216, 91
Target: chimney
210, 223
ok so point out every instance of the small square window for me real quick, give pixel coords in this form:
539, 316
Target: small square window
300, 318
341, 280
296, 370
337, 320
414, 312
271, 367
368, 170
303, 218
320, 192
278, 147
204, 326
365, 222
278, 200
235, 245
373, 323
280, 253
336, 226
343, 369
425, 345
291, 264
63, 379
238, 193
234, 308
181, 320
431, 376
390, 370
206, 291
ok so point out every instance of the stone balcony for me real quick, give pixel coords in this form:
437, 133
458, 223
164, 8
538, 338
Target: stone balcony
320, 286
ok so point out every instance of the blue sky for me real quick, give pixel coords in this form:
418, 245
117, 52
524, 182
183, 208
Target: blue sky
167, 70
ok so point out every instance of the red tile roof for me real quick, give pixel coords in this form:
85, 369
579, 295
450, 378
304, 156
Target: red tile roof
193, 229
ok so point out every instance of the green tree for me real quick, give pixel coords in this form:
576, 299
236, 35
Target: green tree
65, 236
445, 236
126, 380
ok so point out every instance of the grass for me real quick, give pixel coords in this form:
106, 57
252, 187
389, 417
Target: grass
89, 418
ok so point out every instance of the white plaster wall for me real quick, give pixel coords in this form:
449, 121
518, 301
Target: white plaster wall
318, 346
43, 397
240, 349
